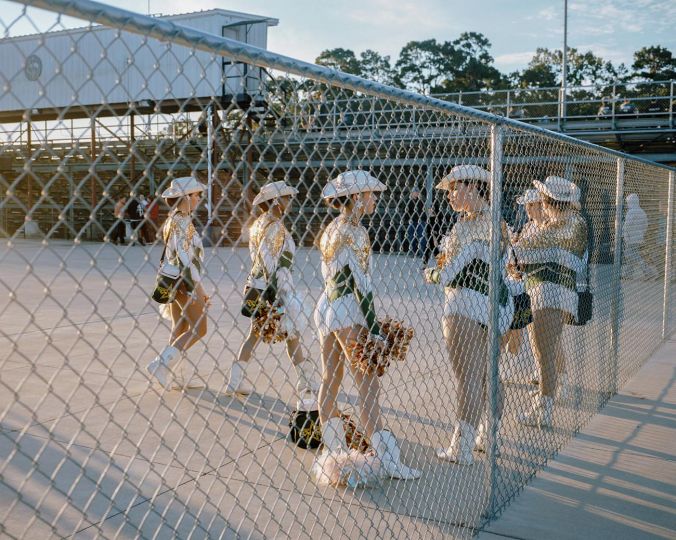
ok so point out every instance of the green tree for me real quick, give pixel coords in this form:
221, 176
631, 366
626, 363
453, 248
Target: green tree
545, 69
340, 59
376, 67
423, 65
654, 63
470, 65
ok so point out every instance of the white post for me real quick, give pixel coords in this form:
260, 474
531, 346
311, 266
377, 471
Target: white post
492, 377
564, 67
667, 256
615, 277
210, 172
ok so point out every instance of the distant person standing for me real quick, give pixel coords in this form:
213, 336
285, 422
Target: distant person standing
135, 217
119, 228
416, 231
633, 237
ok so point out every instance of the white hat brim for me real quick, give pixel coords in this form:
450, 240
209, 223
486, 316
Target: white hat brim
331, 190
268, 195
542, 187
172, 193
463, 173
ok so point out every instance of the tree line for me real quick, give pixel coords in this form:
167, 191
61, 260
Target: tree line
465, 64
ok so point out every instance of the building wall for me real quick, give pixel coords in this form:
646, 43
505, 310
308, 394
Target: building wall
95, 66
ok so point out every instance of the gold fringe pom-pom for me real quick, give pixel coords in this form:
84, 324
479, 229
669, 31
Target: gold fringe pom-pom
267, 324
354, 437
364, 354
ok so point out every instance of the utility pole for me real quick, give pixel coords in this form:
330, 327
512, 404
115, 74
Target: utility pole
564, 70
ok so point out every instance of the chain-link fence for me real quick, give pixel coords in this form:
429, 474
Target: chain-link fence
92, 445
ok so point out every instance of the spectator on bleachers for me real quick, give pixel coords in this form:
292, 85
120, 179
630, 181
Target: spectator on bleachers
654, 107
628, 108
605, 110
518, 113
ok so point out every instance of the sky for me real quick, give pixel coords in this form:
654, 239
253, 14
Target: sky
612, 29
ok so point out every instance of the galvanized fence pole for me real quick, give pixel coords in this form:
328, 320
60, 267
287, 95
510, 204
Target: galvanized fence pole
615, 277
493, 382
667, 256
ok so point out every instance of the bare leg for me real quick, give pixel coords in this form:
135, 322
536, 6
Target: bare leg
178, 324
544, 334
332, 376
248, 347
294, 349
194, 314
466, 343
368, 387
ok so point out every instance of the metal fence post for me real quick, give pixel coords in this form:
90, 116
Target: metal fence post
493, 383
615, 277
667, 256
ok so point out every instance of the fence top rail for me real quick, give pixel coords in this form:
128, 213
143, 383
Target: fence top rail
569, 88
189, 37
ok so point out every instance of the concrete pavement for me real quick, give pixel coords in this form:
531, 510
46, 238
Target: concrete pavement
617, 478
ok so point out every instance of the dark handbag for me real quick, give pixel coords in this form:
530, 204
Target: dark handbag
523, 314
585, 308
166, 283
255, 299
306, 430
585, 303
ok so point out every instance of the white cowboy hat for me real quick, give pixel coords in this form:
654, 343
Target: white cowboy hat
180, 187
351, 182
464, 173
273, 190
559, 189
529, 196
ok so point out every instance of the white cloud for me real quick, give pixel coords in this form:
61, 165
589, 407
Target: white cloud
513, 59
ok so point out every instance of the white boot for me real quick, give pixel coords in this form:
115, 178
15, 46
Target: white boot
387, 450
563, 392
333, 435
305, 389
541, 413
238, 383
305, 371
462, 443
161, 367
482, 436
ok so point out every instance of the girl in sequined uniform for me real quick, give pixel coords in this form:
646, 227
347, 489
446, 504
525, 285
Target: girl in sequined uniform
188, 311
272, 250
554, 260
345, 311
532, 202
462, 269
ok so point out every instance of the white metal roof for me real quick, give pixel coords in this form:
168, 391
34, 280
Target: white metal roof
239, 16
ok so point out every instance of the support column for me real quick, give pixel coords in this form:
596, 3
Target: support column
492, 376
616, 285
667, 256
92, 179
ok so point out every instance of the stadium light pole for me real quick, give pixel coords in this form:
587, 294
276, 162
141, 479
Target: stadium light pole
564, 61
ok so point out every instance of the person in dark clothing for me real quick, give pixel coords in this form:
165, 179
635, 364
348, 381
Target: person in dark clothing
416, 231
135, 217
119, 228
440, 220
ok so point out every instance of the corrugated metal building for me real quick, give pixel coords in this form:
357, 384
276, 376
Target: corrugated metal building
86, 67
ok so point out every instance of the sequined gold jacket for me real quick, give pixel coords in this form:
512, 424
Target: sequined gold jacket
464, 257
271, 249
346, 258
184, 247
556, 252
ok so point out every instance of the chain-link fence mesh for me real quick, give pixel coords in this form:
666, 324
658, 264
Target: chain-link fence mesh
97, 117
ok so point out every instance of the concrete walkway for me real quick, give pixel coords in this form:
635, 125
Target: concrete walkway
617, 478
